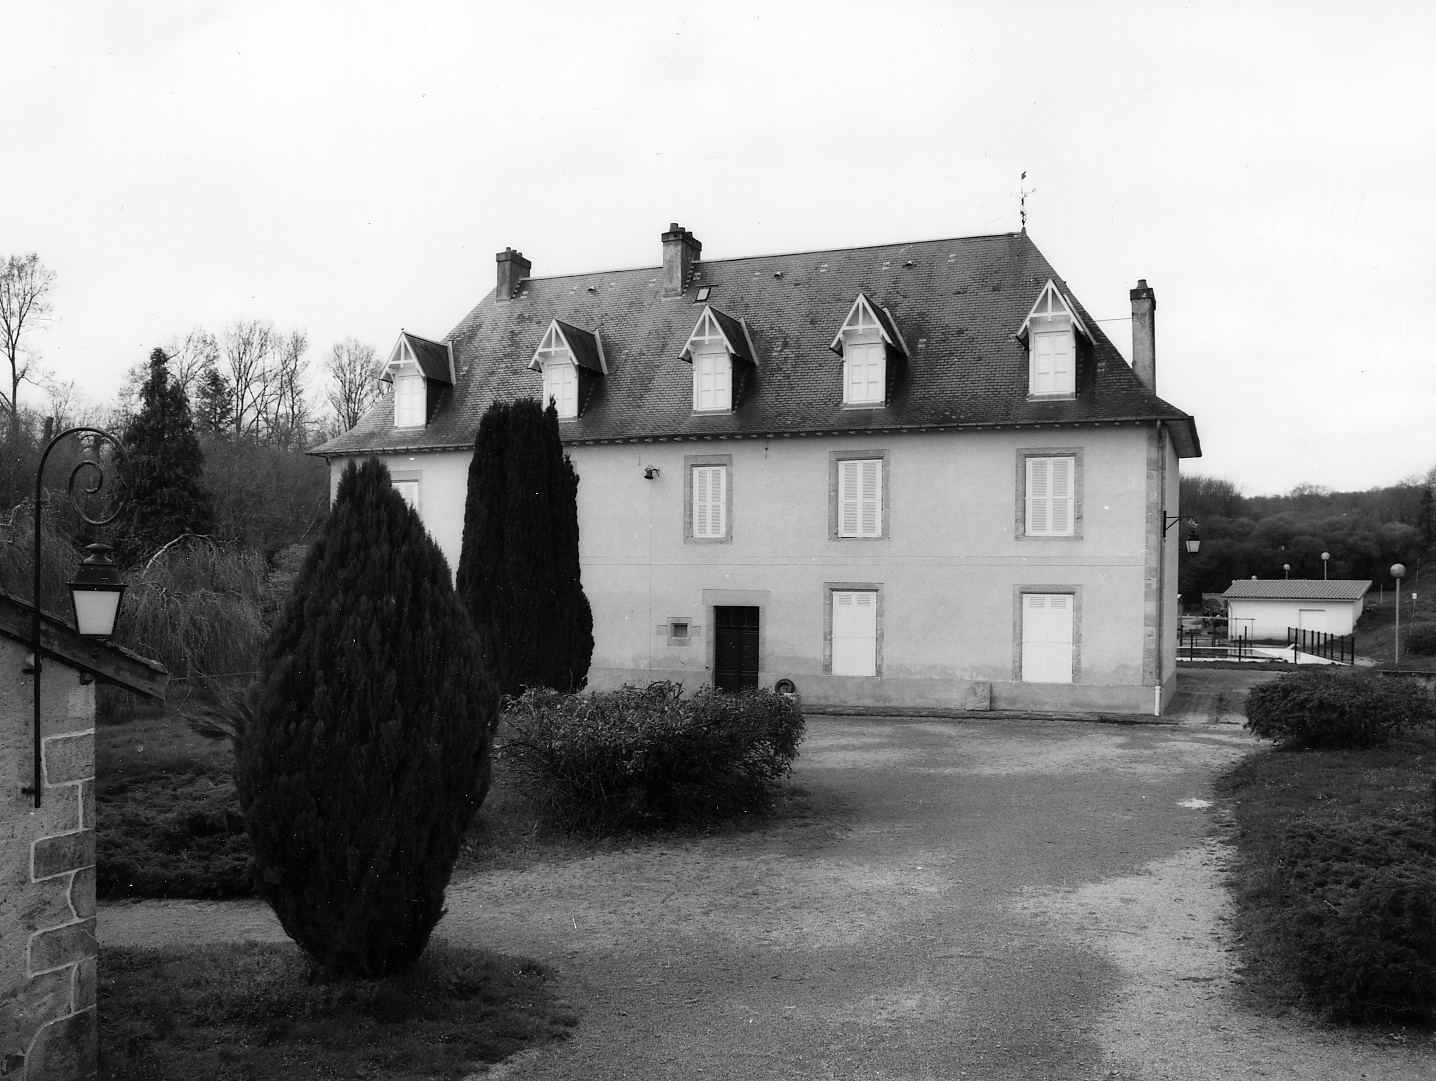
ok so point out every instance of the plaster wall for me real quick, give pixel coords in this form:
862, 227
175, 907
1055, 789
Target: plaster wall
949, 570
47, 876
1270, 618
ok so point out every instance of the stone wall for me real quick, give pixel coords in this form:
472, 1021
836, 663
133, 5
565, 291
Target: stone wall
47, 876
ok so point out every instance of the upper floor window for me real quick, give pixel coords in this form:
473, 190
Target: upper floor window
867, 341
421, 371
567, 356
1051, 335
1050, 495
858, 497
708, 497
409, 399
717, 344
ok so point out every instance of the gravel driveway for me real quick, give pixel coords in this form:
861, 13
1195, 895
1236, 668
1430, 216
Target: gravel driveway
991, 899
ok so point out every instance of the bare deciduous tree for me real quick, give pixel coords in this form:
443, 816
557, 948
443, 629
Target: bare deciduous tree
24, 305
354, 370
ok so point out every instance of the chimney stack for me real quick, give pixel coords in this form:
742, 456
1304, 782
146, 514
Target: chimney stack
1144, 334
513, 269
680, 251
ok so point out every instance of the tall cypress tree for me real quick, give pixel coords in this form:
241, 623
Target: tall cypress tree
166, 498
369, 748
519, 564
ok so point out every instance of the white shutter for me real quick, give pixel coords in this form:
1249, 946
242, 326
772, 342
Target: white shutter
712, 381
860, 497
1047, 637
1038, 496
855, 633
1052, 369
1061, 471
863, 369
710, 502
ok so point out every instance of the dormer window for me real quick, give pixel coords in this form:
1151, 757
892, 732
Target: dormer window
569, 358
718, 344
1050, 332
867, 341
421, 370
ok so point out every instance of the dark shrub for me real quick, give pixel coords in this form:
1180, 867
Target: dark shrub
1330, 707
367, 749
1365, 917
1420, 640
636, 757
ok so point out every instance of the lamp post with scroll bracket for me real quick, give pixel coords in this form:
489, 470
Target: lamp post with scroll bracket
96, 588
1193, 542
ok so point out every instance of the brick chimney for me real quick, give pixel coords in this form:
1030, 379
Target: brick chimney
513, 269
1144, 334
680, 251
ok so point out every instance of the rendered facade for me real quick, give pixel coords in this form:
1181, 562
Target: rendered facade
912, 475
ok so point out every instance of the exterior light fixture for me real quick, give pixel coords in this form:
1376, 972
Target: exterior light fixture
1286, 570
95, 593
650, 472
1194, 542
96, 589
1324, 557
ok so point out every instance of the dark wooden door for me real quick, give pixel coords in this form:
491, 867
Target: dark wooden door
735, 648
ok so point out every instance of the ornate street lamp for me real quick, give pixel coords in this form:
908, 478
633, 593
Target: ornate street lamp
96, 589
1398, 571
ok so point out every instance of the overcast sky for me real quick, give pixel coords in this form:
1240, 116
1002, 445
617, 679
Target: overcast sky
351, 169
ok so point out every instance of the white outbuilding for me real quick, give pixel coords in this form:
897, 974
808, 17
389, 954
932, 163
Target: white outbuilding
1264, 608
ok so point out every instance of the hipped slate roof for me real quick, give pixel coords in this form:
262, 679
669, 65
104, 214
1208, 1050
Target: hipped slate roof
1301, 589
957, 303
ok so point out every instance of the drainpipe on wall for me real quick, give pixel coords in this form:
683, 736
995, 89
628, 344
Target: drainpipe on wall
1161, 564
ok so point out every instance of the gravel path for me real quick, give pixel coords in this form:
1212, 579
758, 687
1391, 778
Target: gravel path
998, 899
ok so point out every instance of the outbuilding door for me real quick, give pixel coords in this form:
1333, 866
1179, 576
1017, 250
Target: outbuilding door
735, 648
1047, 637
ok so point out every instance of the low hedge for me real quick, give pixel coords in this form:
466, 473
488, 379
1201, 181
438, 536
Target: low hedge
637, 758
1331, 707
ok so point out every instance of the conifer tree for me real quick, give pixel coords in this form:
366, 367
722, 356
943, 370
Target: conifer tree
166, 498
368, 752
519, 566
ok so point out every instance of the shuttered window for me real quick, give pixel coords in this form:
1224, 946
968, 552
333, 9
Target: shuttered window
864, 374
1047, 623
1053, 361
855, 632
408, 401
710, 502
860, 497
1051, 500
560, 382
712, 380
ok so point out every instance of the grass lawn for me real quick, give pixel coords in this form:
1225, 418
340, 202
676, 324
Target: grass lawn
250, 1011
1335, 883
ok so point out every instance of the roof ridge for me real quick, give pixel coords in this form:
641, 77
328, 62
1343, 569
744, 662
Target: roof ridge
658, 267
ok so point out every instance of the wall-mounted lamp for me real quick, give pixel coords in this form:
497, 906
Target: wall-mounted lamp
1193, 542
96, 589
650, 472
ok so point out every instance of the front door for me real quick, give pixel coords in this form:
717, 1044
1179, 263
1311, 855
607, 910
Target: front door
735, 648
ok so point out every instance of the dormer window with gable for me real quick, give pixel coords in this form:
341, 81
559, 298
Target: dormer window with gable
570, 358
721, 352
870, 345
1050, 333
420, 370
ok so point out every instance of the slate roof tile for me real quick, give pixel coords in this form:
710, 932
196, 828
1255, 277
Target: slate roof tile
957, 306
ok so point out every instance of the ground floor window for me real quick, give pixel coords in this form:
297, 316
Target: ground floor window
1048, 621
853, 631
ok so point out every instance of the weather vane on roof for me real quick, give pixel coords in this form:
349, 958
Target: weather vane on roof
1023, 193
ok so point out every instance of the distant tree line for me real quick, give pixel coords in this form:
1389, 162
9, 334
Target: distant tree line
1363, 533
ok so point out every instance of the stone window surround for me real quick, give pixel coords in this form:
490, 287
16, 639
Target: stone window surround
1075, 592
689, 462
1020, 515
828, 589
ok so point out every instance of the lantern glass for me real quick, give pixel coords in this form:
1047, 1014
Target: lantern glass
95, 593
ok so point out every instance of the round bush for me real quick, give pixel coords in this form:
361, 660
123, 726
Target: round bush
1330, 707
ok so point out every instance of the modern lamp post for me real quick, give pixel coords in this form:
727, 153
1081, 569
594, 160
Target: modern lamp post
1286, 570
1324, 557
1398, 571
96, 589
